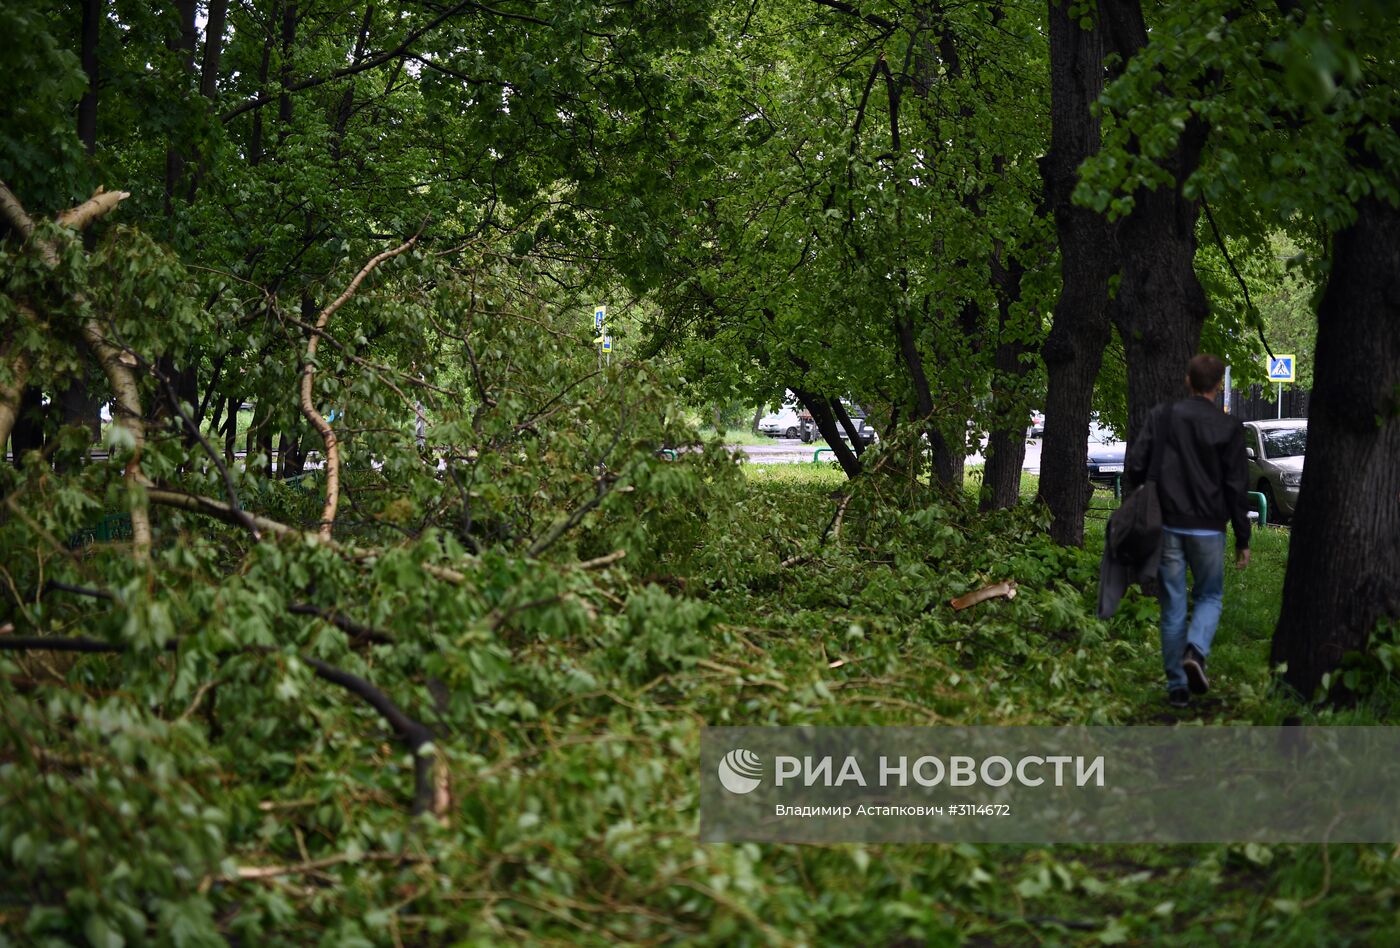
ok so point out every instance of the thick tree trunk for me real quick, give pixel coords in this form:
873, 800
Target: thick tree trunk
1159, 307
78, 403
1006, 444
1344, 549
1080, 328
826, 424
174, 154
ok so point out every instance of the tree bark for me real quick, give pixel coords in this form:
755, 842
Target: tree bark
944, 462
1006, 443
1160, 306
1080, 327
174, 155
78, 403
1344, 548
852, 430
826, 424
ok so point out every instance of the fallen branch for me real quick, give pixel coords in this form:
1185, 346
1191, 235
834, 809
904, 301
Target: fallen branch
197, 503
358, 633
601, 561
218, 510
94, 207
428, 792
248, 873
308, 378
114, 362
1006, 588
429, 787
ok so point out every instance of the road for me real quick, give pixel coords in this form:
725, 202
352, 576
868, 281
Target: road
793, 451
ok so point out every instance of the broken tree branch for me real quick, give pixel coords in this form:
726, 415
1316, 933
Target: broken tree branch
428, 791
308, 378
128, 412
94, 207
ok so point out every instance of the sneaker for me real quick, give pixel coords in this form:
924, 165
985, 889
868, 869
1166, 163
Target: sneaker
1178, 698
1194, 664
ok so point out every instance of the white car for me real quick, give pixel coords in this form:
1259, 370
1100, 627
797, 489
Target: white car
782, 423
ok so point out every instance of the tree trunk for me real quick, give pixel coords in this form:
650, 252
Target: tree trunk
1344, 549
1159, 307
826, 424
1080, 327
852, 430
78, 403
1006, 443
944, 463
174, 154
231, 429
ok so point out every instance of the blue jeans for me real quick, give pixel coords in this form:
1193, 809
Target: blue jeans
1206, 557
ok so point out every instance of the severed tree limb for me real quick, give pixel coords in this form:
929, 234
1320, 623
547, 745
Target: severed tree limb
115, 363
428, 795
126, 412
15, 213
359, 633
90, 210
247, 873
427, 798
196, 503
308, 378
601, 561
219, 510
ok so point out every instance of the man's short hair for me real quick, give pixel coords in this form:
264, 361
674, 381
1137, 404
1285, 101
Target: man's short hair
1204, 372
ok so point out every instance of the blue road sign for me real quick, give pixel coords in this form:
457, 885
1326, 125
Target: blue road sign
607, 343
1282, 368
599, 314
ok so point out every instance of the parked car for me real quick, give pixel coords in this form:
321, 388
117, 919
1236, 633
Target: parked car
808, 432
1037, 429
1106, 454
782, 423
1275, 449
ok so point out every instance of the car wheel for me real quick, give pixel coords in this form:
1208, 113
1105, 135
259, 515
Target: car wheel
1267, 489
790, 433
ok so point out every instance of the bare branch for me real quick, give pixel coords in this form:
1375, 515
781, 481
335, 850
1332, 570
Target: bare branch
237, 508
308, 378
370, 63
601, 561
218, 510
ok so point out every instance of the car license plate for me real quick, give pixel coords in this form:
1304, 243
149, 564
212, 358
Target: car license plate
1110, 469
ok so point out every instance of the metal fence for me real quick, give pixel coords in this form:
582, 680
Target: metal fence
1259, 402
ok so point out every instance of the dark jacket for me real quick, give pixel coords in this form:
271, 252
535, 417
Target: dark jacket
1204, 481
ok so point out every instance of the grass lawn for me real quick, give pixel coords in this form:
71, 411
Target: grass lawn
1041, 659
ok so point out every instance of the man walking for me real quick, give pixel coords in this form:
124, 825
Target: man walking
1202, 484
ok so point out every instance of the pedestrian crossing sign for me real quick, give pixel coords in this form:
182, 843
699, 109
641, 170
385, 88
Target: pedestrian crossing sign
1282, 368
600, 313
